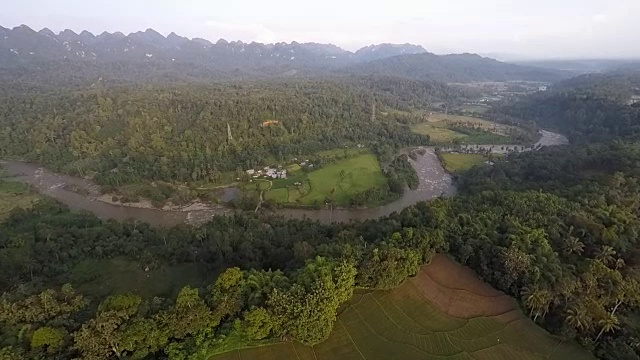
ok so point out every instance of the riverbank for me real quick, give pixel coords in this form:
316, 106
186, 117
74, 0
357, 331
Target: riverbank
434, 182
196, 205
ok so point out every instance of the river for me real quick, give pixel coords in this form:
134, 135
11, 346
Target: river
434, 182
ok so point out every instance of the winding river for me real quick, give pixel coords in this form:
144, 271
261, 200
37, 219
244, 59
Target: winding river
434, 182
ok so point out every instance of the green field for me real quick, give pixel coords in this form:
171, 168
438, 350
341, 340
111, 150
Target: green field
339, 180
438, 133
277, 195
446, 129
14, 194
340, 153
99, 278
447, 314
454, 162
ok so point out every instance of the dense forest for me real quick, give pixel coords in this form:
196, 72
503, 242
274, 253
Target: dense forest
590, 108
571, 263
190, 133
556, 228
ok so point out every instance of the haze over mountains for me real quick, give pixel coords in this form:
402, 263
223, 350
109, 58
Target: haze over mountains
123, 56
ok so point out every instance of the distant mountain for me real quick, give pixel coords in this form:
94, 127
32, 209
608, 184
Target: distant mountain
382, 51
86, 57
584, 66
455, 68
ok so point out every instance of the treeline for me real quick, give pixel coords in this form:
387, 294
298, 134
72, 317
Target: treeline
285, 296
572, 266
401, 173
556, 228
585, 114
181, 133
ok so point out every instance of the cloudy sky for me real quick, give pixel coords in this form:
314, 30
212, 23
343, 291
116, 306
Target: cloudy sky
511, 28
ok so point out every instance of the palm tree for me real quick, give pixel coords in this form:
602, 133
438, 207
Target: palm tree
577, 318
537, 300
573, 246
609, 323
619, 264
605, 254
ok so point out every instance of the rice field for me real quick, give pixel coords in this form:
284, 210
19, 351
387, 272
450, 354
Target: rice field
455, 162
444, 313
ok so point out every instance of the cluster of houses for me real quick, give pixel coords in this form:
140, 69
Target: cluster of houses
268, 173
305, 163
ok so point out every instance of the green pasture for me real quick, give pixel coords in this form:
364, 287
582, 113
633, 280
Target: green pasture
454, 162
98, 278
338, 181
445, 129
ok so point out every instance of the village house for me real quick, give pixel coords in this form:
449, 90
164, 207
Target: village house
275, 174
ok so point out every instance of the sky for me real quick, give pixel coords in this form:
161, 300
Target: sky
508, 29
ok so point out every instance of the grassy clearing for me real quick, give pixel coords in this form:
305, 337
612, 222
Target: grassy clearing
447, 129
345, 178
467, 120
340, 153
277, 195
340, 180
453, 162
437, 133
120, 276
13, 195
415, 322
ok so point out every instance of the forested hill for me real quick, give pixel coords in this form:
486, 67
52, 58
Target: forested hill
180, 132
27, 56
555, 228
589, 108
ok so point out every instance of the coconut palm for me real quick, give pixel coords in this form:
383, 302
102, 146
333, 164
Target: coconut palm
573, 246
609, 323
577, 318
606, 254
619, 264
537, 301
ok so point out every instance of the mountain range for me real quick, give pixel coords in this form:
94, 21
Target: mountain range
109, 53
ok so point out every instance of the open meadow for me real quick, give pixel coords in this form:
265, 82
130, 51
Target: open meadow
447, 129
339, 181
456, 162
445, 312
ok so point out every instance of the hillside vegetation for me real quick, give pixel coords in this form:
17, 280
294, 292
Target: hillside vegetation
555, 229
181, 133
445, 312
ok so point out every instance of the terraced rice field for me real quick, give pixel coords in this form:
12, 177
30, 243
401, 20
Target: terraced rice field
445, 312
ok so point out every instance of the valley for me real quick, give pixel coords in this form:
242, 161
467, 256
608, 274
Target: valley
165, 197
434, 182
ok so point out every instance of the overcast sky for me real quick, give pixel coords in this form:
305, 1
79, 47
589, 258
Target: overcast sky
525, 28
